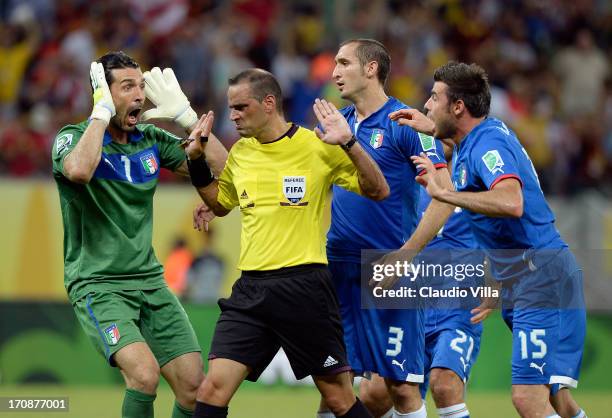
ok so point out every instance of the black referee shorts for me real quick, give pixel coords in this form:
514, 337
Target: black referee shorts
295, 308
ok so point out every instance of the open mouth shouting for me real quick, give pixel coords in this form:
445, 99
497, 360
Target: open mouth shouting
132, 115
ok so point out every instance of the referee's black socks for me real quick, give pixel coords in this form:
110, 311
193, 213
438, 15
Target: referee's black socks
357, 411
204, 410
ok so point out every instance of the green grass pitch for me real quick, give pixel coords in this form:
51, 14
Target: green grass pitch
258, 402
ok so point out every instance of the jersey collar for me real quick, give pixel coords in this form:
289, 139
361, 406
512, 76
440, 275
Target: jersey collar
390, 101
135, 136
474, 133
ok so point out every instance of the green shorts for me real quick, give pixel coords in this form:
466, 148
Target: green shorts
114, 319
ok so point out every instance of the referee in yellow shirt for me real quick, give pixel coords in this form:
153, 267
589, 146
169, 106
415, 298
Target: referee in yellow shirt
279, 175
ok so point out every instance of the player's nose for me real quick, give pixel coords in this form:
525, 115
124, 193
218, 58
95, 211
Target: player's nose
139, 94
336, 73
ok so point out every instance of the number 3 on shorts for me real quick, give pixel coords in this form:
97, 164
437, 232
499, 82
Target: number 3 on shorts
395, 340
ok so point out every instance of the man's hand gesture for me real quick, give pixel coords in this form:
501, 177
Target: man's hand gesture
195, 145
427, 178
103, 106
413, 118
336, 130
164, 91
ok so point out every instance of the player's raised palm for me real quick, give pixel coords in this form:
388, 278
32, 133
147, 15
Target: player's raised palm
198, 138
427, 178
336, 130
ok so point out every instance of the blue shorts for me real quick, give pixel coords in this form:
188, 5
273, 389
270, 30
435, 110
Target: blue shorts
389, 342
451, 342
547, 343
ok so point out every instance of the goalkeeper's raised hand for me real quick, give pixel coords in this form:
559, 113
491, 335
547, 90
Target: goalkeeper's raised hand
164, 91
103, 106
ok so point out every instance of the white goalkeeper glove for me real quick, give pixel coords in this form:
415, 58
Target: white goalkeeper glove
104, 108
164, 91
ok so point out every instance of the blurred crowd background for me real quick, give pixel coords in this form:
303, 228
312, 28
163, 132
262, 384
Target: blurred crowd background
548, 61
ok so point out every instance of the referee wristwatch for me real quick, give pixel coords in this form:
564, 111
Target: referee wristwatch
349, 144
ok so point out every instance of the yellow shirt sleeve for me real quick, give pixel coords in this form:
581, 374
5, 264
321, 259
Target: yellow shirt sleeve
343, 171
227, 196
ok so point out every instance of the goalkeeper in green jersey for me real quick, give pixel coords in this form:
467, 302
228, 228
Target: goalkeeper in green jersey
106, 169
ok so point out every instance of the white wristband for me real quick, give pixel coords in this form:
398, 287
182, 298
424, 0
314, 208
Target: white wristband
101, 113
186, 119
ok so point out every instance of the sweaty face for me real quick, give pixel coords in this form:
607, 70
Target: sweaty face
246, 112
438, 110
349, 74
128, 94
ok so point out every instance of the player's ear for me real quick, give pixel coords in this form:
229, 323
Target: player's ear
371, 69
269, 103
458, 107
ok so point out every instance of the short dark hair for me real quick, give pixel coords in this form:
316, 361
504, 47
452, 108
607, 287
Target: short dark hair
369, 50
262, 84
116, 60
469, 83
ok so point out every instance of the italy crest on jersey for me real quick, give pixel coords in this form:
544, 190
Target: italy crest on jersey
376, 140
149, 163
112, 334
462, 175
294, 189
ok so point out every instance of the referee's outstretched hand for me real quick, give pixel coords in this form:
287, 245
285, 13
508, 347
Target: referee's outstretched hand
202, 215
336, 130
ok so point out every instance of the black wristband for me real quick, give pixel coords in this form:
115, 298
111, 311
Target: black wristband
349, 145
199, 171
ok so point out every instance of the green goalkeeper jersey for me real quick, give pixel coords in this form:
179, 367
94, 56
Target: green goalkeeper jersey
108, 223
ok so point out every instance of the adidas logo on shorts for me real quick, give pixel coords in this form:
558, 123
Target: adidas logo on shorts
330, 361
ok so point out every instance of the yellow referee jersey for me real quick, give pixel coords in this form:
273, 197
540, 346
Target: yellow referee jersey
281, 188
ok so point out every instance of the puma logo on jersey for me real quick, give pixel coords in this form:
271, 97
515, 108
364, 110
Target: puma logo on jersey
540, 368
398, 364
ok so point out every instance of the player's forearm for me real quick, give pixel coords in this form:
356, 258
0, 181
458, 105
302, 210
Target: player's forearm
83, 160
434, 218
216, 155
371, 179
494, 203
209, 195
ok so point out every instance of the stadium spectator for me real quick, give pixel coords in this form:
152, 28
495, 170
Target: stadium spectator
582, 69
177, 265
216, 39
205, 274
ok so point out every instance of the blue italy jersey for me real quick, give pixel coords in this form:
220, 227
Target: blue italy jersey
487, 155
360, 223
